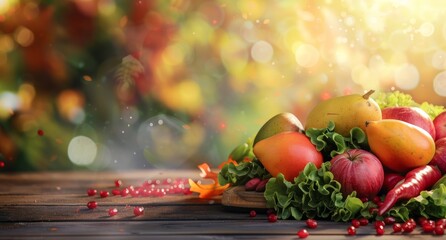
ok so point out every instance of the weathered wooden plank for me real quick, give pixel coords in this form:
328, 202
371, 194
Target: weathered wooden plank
238, 197
250, 228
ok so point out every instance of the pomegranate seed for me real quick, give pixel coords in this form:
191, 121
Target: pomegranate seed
252, 213
104, 194
138, 211
351, 231
272, 218
303, 233
379, 223
125, 192
311, 223
118, 183
40, 132
441, 221
407, 227
134, 193
116, 192
363, 221
112, 212
396, 227
439, 230
428, 227
356, 223
389, 220
379, 230
412, 221
91, 192
92, 204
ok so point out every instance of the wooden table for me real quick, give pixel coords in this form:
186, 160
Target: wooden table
53, 206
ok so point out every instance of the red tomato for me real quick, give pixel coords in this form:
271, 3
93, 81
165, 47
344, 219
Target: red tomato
287, 153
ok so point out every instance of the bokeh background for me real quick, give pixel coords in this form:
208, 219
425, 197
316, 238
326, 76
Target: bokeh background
139, 84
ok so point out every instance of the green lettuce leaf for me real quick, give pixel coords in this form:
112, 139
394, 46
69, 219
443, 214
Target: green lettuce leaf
242, 173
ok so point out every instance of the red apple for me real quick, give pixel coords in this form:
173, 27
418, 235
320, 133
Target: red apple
358, 170
440, 126
412, 115
439, 158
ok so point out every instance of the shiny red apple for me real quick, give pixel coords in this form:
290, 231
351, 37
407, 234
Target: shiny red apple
358, 170
439, 158
412, 115
440, 126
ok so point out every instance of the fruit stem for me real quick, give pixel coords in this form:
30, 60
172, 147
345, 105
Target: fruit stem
367, 94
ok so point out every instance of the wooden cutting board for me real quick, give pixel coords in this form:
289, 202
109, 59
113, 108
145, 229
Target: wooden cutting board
239, 197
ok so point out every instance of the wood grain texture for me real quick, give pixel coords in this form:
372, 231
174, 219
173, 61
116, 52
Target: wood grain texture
53, 206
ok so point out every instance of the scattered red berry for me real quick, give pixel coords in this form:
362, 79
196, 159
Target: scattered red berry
428, 226
118, 183
407, 227
2, 164
252, 213
125, 192
91, 192
303, 233
389, 220
396, 227
441, 221
311, 223
356, 223
363, 221
379, 230
104, 194
138, 211
272, 218
351, 231
40, 132
112, 212
92, 204
116, 192
439, 230
379, 223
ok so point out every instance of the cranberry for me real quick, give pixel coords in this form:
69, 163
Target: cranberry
112, 212
396, 227
441, 221
379, 230
104, 194
125, 192
411, 220
389, 220
428, 227
272, 218
138, 211
303, 233
407, 227
311, 223
118, 183
91, 192
363, 221
252, 213
356, 223
439, 230
92, 204
116, 192
351, 231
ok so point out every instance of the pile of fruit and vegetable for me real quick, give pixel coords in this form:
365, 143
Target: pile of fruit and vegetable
374, 156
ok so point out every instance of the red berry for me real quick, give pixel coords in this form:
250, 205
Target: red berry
252, 213
439, 230
412, 221
422, 220
356, 223
303, 233
441, 221
116, 192
125, 192
428, 227
118, 183
138, 211
272, 217
363, 221
112, 212
311, 223
389, 220
407, 227
2, 164
92, 204
104, 194
91, 192
40, 132
396, 227
379, 230
379, 223
351, 231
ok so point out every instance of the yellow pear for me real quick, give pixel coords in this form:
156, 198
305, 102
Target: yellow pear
346, 112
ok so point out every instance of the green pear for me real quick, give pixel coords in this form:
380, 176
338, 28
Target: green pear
282, 122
